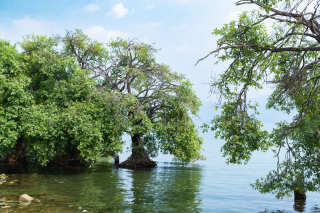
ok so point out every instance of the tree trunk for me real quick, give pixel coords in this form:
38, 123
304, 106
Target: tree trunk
116, 160
19, 153
299, 196
138, 158
138, 150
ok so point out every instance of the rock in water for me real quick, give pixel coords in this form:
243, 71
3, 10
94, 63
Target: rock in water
131, 162
25, 197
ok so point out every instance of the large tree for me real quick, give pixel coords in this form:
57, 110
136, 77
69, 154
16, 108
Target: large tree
51, 110
158, 117
285, 55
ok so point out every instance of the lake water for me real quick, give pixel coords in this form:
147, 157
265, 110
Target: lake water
206, 186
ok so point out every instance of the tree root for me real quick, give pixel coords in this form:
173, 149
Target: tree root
145, 162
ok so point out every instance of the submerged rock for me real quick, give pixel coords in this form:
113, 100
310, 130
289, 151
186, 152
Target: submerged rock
26, 198
26, 203
3, 179
13, 182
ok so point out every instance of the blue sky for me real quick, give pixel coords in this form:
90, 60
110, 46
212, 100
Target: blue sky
180, 28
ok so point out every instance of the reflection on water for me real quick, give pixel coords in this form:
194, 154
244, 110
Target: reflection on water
315, 209
299, 205
169, 188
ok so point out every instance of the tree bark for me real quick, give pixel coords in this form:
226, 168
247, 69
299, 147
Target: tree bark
299, 196
138, 150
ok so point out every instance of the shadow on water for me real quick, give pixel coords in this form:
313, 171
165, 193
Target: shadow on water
61, 189
167, 188
25, 168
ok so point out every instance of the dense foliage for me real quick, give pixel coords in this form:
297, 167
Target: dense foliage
285, 55
72, 97
162, 101
52, 107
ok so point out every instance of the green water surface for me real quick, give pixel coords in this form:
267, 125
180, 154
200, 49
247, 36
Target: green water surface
102, 188
205, 186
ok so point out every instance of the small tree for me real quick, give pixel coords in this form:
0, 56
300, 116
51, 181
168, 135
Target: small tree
286, 56
158, 116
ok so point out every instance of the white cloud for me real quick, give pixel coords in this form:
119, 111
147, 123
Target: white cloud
232, 16
149, 6
90, 8
103, 35
29, 25
181, 27
118, 11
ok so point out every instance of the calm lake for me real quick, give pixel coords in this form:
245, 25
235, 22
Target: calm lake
206, 186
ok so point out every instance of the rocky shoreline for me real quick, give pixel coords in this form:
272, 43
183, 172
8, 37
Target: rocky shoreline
39, 202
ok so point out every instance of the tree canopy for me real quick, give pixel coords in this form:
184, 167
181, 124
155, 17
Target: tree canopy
286, 56
162, 101
73, 98
50, 107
